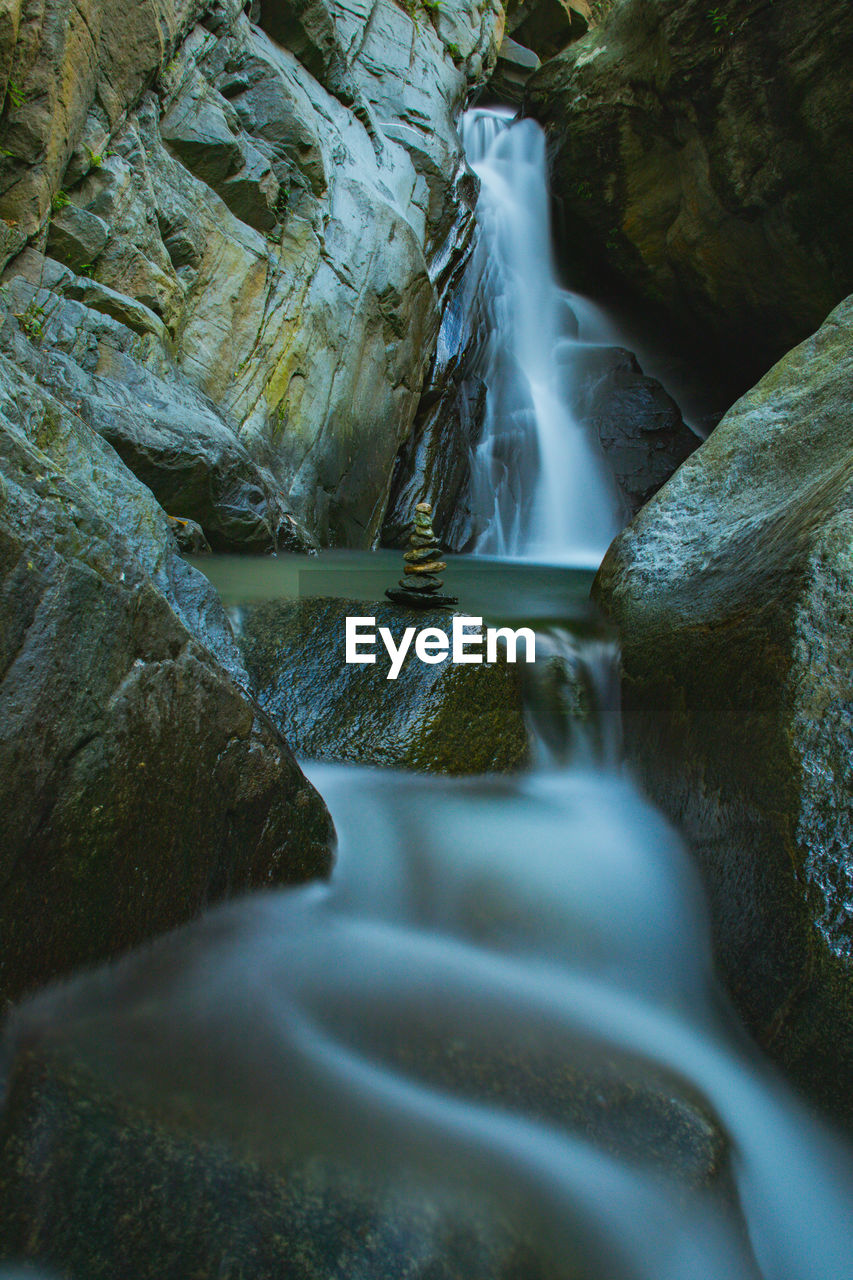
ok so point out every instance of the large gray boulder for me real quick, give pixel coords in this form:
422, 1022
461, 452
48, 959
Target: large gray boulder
731, 591
705, 153
138, 780
276, 210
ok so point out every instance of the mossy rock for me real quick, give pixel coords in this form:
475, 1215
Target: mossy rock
139, 782
731, 592
444, 718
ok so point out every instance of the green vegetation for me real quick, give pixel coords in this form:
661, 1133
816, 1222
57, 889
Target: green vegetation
60, 201
32, 321
15, 95
719, 20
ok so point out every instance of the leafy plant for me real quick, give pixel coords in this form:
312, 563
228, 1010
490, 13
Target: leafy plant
455, 52
95, 160
60, 201
32, 321
719, 20
16, 95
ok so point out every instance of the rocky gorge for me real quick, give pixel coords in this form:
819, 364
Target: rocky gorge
249, 305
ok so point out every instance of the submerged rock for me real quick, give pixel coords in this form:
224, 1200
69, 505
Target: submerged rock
443, 717
156, 1201
138, 780
731, 593
164, 1118
706, 155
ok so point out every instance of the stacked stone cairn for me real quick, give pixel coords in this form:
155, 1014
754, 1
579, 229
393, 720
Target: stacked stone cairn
420, 588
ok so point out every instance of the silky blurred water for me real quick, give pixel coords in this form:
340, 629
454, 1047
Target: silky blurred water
476, 936
539, 486
506, 991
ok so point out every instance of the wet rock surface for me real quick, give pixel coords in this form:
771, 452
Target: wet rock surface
434, 463
704, 154
138, 780
638, 424
222, 1176
163, 1202
730, 593
446, 717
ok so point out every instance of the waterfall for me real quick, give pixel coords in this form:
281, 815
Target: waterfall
502, 1010
539, 488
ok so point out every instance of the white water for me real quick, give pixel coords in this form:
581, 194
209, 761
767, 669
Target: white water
388, 1020
539, 487
481, 943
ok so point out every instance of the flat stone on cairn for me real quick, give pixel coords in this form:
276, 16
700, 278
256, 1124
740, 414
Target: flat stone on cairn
420, 587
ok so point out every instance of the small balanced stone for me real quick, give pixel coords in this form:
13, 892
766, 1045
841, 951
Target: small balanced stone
420, 587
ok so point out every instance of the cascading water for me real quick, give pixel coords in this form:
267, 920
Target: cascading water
539, 487
505, 997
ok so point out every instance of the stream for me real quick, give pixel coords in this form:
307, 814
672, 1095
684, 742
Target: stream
505, 996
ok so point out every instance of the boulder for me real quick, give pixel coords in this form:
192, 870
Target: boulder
705, 156
138, 780
731, 593
445, 717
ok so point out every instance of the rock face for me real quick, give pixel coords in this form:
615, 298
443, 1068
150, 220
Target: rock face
706, 155
514, 67
435, 461
731, 593
271, 215
446, 717
638, 424
547, 26
138, 781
